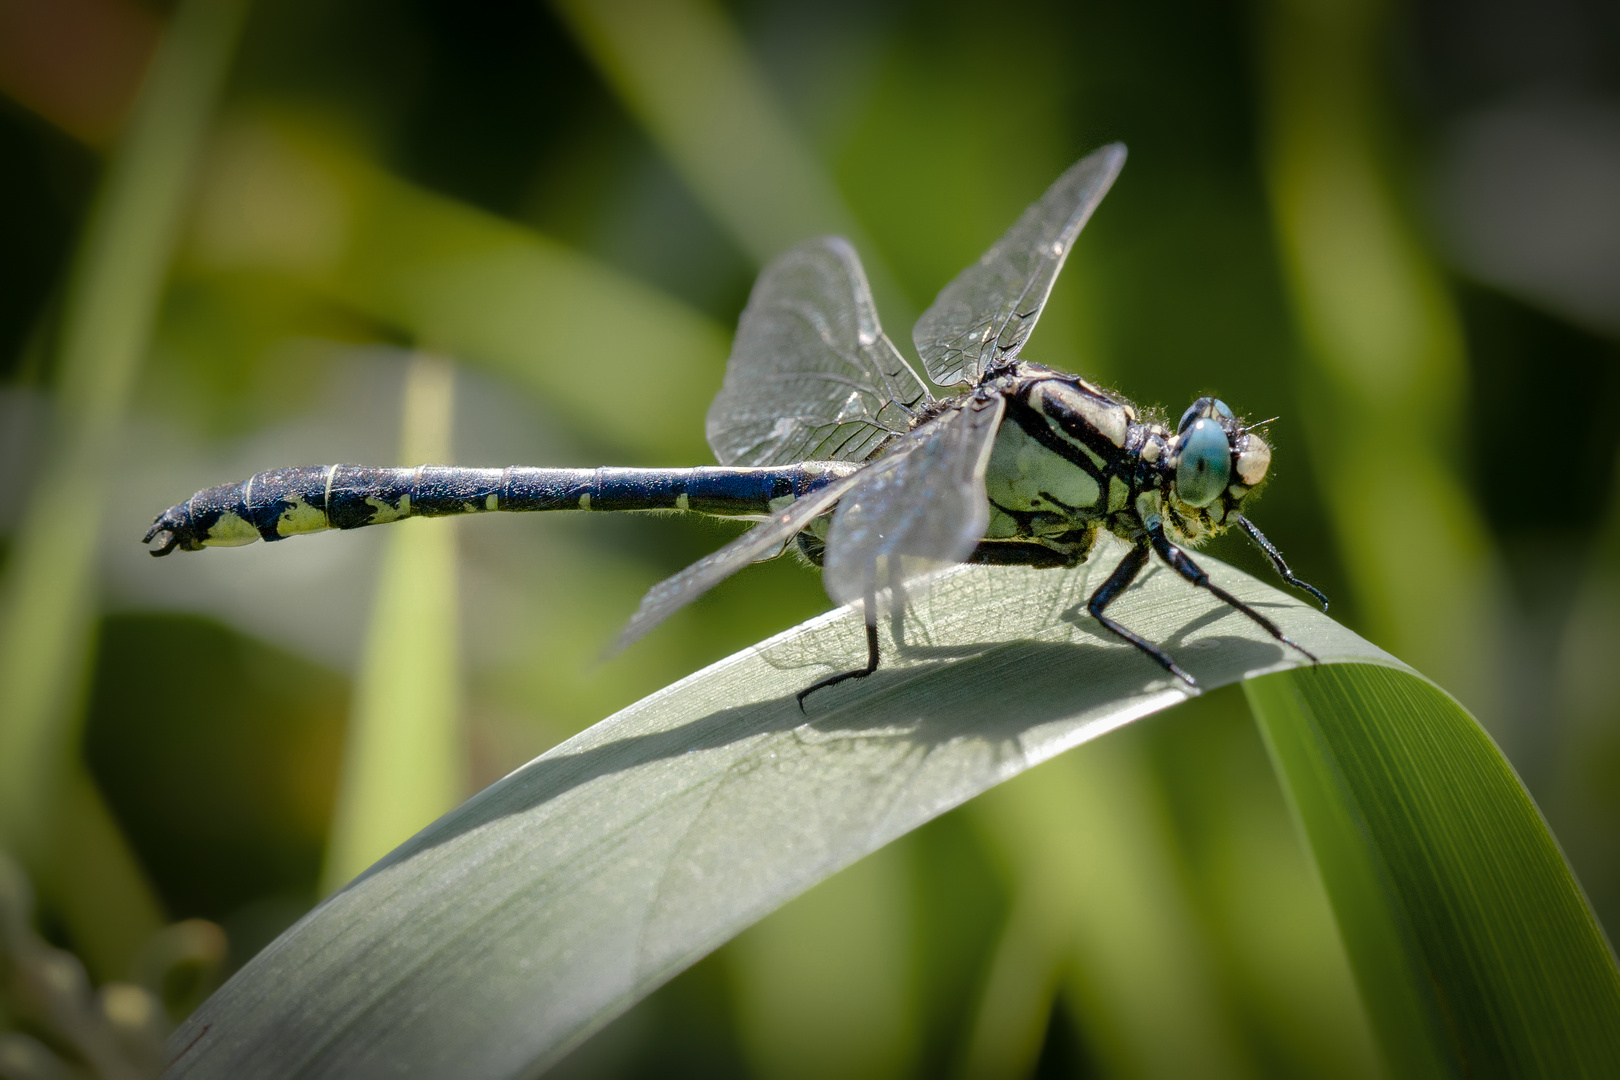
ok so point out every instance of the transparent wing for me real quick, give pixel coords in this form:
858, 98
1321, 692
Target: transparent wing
811, 374
987, 313
918, 508
764, 539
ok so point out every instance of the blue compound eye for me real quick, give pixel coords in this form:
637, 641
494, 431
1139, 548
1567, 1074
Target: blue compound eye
1194, 411
1206, 464
1223, 410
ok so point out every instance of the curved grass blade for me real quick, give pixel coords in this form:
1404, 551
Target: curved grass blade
510, 929
1476, 952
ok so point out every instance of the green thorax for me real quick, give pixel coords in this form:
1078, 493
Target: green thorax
1071, 458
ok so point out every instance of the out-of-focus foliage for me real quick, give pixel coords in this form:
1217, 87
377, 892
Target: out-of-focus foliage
56, 1025
1392, 225
48, 599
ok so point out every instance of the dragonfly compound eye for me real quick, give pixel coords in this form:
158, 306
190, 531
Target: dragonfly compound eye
1205, 407
1195, 411
1205, 465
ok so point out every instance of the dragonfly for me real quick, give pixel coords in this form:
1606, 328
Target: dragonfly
829, 439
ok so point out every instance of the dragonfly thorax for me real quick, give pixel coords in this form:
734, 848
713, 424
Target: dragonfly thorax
1072, 457
1063, 463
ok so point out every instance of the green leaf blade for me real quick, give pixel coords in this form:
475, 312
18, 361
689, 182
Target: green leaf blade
507, 931
1475, 949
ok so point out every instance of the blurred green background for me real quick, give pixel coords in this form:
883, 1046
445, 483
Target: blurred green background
505, 232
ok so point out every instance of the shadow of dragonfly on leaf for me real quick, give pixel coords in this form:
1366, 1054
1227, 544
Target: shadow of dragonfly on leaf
883, 729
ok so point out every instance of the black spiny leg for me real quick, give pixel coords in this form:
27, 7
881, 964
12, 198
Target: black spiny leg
1109, 591
871, 653
1277, 560
1179, 561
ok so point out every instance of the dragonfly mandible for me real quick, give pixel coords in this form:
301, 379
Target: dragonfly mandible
826, 435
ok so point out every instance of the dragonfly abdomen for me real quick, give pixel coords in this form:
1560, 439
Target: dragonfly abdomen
286, 502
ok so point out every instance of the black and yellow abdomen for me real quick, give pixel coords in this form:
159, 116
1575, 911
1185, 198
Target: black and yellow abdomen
286, 502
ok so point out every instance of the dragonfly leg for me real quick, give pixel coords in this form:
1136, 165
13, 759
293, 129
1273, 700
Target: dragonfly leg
1182, 564
1277, 560
1109, 591
871, 655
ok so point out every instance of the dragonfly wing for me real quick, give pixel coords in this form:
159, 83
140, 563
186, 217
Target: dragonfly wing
674, 593
920, 507
811, 374
987, 313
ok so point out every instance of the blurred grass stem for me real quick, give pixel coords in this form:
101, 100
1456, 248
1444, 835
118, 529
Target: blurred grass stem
403, 763
685, 72
1385, 377
50, 580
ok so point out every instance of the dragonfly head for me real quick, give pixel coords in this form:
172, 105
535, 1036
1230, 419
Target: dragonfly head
1216, 460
